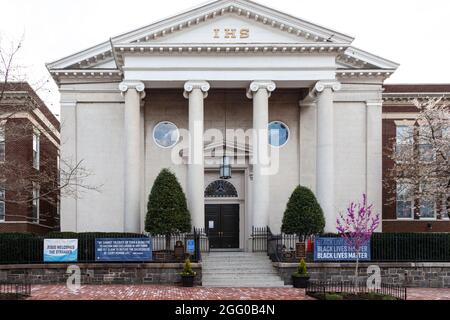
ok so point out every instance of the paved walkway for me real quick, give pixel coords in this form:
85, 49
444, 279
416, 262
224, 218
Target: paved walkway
161, 292
155, 292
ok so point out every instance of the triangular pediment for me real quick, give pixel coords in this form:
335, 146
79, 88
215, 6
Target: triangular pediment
229, 28
266, 25
244, 12
216, 149
239, 26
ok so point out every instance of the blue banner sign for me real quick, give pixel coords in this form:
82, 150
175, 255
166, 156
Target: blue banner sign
337, 249
191, 246
123, 249
60, 250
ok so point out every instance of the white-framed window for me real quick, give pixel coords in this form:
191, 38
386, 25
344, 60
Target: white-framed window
404, 201
2, 204
446, 136
404, 138
36, 150
443, 207
278, 134
427, 206
2, 143
426, 150
166, 134
35, 203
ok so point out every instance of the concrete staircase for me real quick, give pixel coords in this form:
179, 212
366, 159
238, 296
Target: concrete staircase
239, 269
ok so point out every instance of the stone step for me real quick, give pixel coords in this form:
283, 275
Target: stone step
244, 284
240, 269
235, 259
251, 259
246, 264
247, 277
235, 254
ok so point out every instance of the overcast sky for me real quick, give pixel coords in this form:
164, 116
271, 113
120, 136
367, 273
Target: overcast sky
414, 33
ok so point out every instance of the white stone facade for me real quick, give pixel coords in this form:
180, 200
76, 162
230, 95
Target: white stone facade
109, 113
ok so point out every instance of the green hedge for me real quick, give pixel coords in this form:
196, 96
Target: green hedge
26, 248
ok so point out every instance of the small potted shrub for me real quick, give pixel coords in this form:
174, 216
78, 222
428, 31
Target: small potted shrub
301, 277
188, 275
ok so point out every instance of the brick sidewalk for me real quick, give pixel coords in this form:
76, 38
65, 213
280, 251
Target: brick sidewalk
155, 292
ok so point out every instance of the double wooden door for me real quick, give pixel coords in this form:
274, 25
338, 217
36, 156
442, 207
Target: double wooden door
222, 225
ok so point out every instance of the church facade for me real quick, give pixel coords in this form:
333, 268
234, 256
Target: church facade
284, 101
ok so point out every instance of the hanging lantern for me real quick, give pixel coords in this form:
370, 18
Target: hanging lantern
225, 168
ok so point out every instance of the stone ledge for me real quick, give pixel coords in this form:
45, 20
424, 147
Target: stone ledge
99, 266
366, 264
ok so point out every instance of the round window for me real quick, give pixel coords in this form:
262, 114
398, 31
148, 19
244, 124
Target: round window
166, 134
278, 134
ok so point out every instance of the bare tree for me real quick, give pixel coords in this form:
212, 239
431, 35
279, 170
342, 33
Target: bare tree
18, 177
421, 159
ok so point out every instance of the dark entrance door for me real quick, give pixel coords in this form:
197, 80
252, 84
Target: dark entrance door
222, 225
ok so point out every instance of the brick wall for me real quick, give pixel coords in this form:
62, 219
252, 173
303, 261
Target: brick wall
19, 152
390, 222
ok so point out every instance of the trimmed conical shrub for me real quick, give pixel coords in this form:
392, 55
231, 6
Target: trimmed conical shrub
167, 211
303, 215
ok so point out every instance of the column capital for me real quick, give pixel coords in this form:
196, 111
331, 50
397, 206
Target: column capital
322, 85
319, 87
268, 85
374, 103
189, 86
139, 86
68, 103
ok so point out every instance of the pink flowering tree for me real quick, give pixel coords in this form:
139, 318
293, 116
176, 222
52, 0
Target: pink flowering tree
356, 226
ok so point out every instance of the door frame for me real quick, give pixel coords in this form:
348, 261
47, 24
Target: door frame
236, 240
240, 200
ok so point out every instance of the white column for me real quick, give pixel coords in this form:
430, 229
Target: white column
307, 144
374, 154
196, 92
69, 152
133, 92
325, 151
260, 92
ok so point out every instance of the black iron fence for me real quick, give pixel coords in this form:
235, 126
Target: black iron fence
14, 291
260, 239
385, 247
17, 248
414, 247
315, 288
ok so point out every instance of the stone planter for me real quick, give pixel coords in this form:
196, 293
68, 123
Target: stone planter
187, 281
300, 282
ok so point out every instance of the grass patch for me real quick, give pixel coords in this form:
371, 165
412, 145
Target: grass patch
352, 296
11, 296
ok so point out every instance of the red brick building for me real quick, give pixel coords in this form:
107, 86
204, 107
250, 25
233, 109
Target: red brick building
29, 156
399, 113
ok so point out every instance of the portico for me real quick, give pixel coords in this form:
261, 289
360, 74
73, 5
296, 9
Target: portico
235, 65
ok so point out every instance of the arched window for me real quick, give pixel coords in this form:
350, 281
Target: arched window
221, 189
